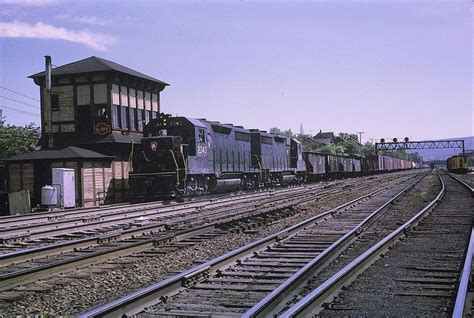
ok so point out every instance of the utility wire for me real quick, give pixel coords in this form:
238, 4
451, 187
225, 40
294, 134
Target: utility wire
21, 111
20, 102
12, 91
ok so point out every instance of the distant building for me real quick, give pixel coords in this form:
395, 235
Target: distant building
324, 138
310, 142
90, 121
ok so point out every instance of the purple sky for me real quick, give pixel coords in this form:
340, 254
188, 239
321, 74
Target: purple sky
388, 68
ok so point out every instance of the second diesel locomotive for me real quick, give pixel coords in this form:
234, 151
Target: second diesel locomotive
187, 156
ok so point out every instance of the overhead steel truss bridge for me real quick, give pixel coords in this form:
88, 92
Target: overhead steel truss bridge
427, 144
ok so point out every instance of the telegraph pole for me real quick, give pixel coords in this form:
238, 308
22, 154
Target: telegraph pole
360, 141
49, 68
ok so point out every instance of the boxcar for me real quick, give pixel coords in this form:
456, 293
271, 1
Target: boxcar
457, 164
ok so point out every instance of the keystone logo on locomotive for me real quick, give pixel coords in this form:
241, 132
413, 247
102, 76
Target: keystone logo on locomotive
102, 129
153, 145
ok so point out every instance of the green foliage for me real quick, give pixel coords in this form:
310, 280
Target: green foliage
347, 136
332, 149
351, 147
278, 131
368, 149
415, 157
15, 140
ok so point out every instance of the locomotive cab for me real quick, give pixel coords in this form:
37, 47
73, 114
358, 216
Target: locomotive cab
172, 149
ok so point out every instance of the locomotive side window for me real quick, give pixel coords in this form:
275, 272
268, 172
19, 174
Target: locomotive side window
202, 136
242, 136
266, 140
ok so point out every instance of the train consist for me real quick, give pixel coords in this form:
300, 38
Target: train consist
458, 164
187, 156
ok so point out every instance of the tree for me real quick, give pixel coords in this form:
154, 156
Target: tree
15, 140
278, 131
351, 147
415, 157
348, 136
275, 130
332, 149
368, 149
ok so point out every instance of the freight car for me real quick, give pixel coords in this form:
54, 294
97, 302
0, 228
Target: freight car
186, 156
323, 166
378, 163
458, 164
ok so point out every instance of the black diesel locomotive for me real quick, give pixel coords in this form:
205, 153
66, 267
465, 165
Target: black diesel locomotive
187, 156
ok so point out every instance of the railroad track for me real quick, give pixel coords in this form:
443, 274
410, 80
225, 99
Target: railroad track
79, 213
15, 270
75, 238
186, 219
417, 277
467, 181
45, 227
237, 280
97, 220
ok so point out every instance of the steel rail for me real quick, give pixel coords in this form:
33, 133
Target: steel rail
53, 249
270, 304
124, 208
111, 219
464, 184
461, 296
9, 279
47, 216
317, 297
135, 302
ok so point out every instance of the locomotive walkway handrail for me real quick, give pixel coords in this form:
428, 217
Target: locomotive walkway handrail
318, 296
460, 304
268, 305
134, 303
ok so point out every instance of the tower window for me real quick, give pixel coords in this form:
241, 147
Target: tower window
55, 102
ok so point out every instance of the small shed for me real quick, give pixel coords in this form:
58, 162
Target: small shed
96, 176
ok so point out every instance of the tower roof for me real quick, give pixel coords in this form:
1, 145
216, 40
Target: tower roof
96, 64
